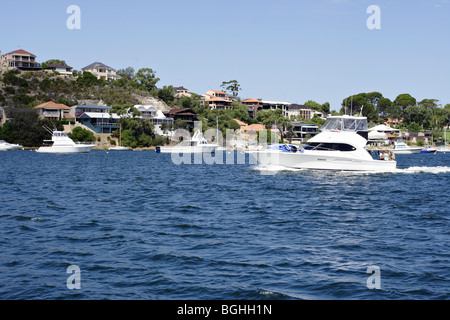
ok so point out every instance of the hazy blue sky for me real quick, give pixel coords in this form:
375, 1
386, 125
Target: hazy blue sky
285, 50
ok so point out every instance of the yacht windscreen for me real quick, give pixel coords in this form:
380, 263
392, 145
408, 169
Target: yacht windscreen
343, 124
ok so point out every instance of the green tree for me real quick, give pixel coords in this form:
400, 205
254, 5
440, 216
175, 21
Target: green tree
233, 86
275, 118
146, 77
361, 103
166, 94
405, 100
314, 105
79, 134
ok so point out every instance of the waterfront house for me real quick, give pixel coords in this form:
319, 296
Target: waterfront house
20, 59
302, 111
304, 131
274, 105
100, 122
253, 106
54, 111
102, 71
60, 68
156, 117
78, 110
216, 100
414, 137
184, 114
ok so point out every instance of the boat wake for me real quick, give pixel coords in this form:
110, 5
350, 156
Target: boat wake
434, 170
269, 169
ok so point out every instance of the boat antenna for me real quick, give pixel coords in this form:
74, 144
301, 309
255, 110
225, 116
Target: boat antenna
351, 107
360, 114
47, 129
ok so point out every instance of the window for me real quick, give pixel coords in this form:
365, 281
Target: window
317, 146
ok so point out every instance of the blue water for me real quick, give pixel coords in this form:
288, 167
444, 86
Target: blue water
140, 227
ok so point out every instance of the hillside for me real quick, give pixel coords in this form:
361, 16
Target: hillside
21, 89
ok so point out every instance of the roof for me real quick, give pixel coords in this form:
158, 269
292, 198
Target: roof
21, 51
52, 105
275, 102
101, 115
216, 91
255, 127
251, 101
299, 107
179, 111
97, 65
57, 65
239, 122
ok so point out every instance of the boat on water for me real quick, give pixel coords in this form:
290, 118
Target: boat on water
197, 144
341, 145
444, 149
400, 147
5, 146
61, 143
429, 149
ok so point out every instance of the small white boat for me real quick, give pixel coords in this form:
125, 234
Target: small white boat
444, 149
340, 146
400, 147
119, 148
197, 144
5, 146
61, 143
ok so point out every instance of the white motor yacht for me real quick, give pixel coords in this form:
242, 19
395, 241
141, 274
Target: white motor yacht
61, 143
341, 145
197, 144
400, 147
5, 146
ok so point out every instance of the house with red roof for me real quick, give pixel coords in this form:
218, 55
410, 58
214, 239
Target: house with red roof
20, 59
54, 111
217, 100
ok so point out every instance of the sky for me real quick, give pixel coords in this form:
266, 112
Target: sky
282, 50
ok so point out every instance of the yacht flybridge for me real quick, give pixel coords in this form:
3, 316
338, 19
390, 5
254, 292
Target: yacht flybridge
341, 145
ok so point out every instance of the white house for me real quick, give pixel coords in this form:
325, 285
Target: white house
102, 71
155, 116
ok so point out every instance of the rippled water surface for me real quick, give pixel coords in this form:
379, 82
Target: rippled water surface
140, 227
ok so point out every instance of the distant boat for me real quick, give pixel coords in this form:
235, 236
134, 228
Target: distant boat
197, 144
5, 146
400, 147
61, 143
429, 149
445, 149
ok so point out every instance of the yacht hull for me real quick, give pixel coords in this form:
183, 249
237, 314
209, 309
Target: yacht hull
407, 151
321, 161
184, 149
67, 149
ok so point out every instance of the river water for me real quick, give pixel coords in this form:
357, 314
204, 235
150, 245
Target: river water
134, 225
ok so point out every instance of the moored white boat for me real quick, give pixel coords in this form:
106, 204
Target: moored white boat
340, 146
197, 144
61, 143
5, 146
400, 147
119, 148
